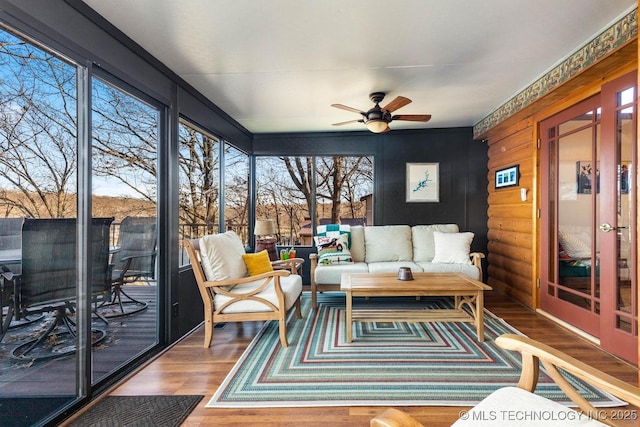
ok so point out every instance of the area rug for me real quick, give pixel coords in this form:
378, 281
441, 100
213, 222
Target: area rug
142, 411
387, 364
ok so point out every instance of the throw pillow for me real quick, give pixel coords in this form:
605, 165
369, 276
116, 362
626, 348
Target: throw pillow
332, 250
452, 248
576, 245
221, 256
333, 230
257, 263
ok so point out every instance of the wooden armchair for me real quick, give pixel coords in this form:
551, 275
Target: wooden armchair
533, 353
262, 297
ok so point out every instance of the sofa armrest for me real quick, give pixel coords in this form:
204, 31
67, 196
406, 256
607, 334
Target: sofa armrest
476, 259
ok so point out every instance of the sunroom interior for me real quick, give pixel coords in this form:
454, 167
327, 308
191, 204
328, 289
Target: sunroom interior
209, 116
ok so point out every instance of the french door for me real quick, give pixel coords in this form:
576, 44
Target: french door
588, 211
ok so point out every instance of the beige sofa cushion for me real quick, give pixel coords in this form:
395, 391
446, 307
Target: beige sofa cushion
331, 274
357, 243
388, 243
423, 241
466, 269
393, 266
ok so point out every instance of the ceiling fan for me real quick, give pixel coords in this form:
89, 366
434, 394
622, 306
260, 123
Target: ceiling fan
377, 119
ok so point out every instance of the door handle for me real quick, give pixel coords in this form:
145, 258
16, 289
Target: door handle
606, 227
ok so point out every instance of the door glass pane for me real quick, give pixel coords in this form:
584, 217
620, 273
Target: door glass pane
38, 193
625, 131
124, 153
578, 188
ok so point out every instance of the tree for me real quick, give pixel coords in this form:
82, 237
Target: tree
199, 165
38, 131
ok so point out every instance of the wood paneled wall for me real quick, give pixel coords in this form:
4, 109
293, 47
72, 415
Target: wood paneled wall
512, 224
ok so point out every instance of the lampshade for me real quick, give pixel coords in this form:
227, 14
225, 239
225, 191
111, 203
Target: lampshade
264, 227
377, 126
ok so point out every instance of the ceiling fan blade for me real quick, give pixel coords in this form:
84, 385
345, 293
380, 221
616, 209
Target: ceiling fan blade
347, 122
397, 103
413, 117
344, 107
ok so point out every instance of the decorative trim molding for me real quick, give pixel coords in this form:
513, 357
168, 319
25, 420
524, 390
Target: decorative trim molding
606, 42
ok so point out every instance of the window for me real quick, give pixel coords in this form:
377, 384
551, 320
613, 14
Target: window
236, 192
199, 184
289, 189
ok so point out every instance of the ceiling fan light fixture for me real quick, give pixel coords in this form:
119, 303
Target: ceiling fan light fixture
377, 125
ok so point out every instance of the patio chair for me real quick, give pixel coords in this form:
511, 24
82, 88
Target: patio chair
230, 295
10, 266
49, 280
133, 260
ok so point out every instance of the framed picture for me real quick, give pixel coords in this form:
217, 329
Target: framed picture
508, 177
423, 182
587, 177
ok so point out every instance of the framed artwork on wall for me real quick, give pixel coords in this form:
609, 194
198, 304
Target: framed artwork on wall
508, 177
423, 182
585, 179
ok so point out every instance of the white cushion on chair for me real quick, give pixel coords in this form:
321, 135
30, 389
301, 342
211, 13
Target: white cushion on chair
513, 406
291, 287
221, 256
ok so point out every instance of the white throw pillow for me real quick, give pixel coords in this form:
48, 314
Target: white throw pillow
452, 248
221, 256
424, 248
576, 245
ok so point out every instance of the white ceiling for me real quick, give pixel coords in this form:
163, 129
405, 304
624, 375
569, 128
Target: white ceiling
278, 65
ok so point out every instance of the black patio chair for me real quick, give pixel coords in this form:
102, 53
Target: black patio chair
49, 280
133, 260
10, 266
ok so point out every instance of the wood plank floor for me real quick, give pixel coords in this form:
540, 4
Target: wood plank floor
188, 368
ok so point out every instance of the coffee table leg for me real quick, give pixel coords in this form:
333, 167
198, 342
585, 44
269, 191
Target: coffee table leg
480, 315
349, 316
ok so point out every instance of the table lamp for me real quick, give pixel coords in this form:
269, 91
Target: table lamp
264, 231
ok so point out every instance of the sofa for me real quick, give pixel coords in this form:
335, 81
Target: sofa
385, 248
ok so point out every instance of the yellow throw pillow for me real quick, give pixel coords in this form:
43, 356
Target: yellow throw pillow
257, 263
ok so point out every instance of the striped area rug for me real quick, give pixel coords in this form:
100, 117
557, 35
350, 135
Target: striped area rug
387, 364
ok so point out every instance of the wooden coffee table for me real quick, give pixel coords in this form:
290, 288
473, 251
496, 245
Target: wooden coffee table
462, 288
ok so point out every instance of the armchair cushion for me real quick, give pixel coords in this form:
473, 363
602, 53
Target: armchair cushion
257, 263
221, 256
452, 248
291, 287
